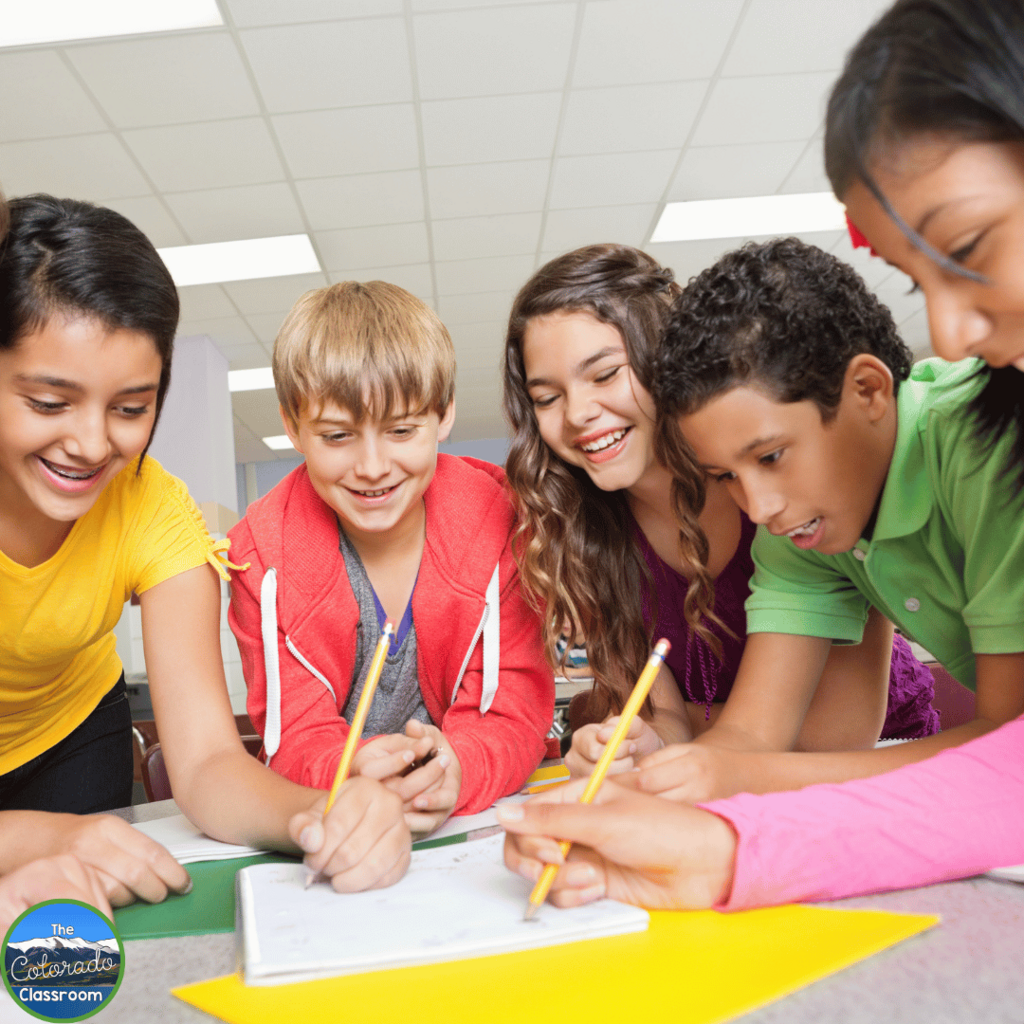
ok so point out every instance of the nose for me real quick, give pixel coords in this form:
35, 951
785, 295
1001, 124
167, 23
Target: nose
762, 503
957, 326
580, 407
88, 439
373, 462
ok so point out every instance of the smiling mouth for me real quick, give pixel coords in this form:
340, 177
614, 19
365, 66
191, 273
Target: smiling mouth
379, 493
68, 473
605, 441
807, 530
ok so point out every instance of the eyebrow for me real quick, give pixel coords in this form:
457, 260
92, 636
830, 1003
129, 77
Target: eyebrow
584, 364
70, 385
931, 214
747, 449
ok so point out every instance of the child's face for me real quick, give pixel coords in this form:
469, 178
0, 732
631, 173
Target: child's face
966, 201
77, 403
373, 474
813, 481
590, 408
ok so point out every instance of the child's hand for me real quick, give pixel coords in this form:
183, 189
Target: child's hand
588, 745
363, 843
627, 846
692, 772
63, 877
389, 755
129, 864
429, 794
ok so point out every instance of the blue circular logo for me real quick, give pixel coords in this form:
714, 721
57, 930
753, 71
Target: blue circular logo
62, 960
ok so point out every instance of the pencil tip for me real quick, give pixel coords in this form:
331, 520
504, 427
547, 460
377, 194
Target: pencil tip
531, 909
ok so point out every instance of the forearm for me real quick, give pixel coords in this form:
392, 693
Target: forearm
950, 816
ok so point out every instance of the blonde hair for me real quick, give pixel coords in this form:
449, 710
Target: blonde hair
370, 348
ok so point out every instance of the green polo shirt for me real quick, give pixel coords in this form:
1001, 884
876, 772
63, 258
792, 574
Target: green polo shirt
946, 561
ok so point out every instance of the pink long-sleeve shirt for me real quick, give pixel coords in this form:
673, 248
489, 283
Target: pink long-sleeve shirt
956, 814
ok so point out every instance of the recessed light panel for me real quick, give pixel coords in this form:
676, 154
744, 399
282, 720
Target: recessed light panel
216, 262
278, 443
749, 217
56, 21
260, 379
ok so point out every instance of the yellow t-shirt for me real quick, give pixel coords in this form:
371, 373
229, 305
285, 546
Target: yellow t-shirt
58, 649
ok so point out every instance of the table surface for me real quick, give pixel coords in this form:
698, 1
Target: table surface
968, 969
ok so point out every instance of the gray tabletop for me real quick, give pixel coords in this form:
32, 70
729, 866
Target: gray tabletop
968, 970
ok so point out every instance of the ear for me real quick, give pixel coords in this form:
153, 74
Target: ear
444, 428
291, 429
868, 386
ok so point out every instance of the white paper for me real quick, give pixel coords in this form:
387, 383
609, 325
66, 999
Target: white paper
455, 902
188, 844
1010, 874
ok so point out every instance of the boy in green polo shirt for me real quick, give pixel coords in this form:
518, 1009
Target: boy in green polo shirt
790, 383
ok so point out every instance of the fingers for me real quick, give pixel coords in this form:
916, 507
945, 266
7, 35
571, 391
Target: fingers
131, 865
421, 781
363, 843
62, 877
588, 745
681, 772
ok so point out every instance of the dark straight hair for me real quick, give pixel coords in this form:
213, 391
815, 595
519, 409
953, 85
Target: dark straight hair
64, 257
952, 69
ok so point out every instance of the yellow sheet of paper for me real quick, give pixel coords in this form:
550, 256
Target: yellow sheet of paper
552, 773
708, 967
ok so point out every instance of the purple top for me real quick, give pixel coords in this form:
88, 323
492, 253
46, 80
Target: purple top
702, 678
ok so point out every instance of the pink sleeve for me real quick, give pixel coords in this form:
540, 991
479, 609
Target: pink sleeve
954, 815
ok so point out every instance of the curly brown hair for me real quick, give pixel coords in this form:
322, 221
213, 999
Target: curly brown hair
783, 315
575, 545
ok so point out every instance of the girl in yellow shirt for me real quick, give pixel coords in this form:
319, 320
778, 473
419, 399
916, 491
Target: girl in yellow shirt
88, 314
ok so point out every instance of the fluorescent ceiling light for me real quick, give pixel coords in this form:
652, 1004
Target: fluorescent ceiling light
750, 216
240, 261
259, 379
279, 442
53, 21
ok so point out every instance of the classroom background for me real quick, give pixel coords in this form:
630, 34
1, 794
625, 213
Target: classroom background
449, 146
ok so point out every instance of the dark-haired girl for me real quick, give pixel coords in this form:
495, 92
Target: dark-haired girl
88, 313
925, 144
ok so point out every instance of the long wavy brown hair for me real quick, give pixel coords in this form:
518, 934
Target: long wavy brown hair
575, 545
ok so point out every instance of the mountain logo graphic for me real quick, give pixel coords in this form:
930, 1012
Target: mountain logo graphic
63, 961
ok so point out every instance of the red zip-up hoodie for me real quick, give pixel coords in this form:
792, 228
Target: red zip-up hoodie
494, 701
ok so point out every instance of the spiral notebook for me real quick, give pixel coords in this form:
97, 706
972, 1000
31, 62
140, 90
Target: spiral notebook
454, 903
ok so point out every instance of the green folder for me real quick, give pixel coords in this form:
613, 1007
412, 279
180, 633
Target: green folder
210, 906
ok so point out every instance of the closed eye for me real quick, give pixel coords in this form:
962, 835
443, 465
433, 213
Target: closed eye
722, 478
46, 407
771, 458
543, 401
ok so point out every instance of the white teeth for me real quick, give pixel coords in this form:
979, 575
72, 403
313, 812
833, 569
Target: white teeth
374, 494
70, 474
605, 442
806, 530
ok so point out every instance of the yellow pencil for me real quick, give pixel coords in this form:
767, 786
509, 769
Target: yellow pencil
355, 729
633, 705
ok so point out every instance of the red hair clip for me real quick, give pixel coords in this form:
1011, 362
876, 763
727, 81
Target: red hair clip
857, 237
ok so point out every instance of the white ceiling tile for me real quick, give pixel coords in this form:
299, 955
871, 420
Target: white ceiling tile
415, 278
766, 108
721, 172
479, 347
248, 447
54, 105
344, 63
462, 277
204, 302
272, 295
611, 179
799, 35
493, 51
470, 190
362, 200
249, 211
687, 259
325, 143
629, 118
419, 6
914, 331
150, 216
507, 234
223, 330
215, 154
373, 247
83, 166
570, 229
246, 13
480, 308
195, 76
494, 128
266, 325
809, 173
245, 357
258, 410
629, 41
873, 269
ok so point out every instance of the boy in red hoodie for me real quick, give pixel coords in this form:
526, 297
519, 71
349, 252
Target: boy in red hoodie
376, 524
